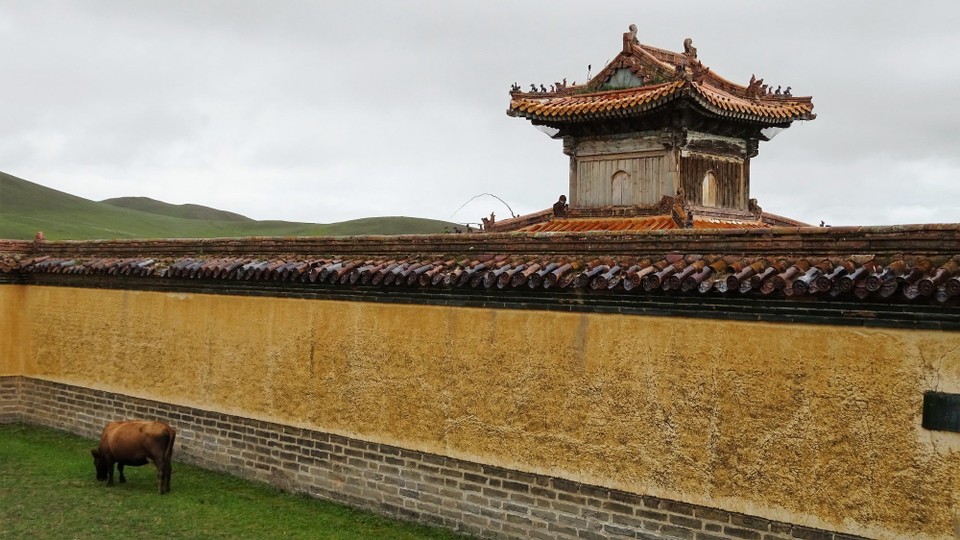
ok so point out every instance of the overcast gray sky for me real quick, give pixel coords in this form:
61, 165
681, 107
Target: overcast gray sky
328, 111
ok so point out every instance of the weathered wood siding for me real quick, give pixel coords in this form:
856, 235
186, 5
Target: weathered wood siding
730, 174
645, 181
646, 170
640, 168
621, 144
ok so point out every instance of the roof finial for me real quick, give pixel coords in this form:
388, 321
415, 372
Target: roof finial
630, 38
561, 207
756, 87
689, 50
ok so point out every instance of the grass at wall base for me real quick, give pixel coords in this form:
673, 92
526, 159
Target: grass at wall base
48, 491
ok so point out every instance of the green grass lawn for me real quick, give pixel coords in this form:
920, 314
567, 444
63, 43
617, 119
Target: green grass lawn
48, 490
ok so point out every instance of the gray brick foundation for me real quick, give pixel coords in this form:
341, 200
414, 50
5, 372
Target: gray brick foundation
10, 403
461, 495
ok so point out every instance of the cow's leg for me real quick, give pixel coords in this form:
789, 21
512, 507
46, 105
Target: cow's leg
110, 475
123, 479
163, 474
165, 482
167, 461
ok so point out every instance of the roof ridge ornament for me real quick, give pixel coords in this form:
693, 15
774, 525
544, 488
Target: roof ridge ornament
699, 71
630, 38
689, 50
689, 68
680, 212
754, 89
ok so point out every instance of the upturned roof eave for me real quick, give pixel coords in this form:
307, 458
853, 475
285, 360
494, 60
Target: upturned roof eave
688, 90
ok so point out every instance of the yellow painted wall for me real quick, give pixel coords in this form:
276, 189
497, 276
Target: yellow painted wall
815, 425
12, 344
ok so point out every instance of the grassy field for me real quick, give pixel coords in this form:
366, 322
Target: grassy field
48, 491
26, 207
186, 211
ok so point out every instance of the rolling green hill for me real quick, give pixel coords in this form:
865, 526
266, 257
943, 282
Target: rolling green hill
26, 207
186, 211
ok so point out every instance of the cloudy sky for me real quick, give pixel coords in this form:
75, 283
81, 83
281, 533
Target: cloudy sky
326, 111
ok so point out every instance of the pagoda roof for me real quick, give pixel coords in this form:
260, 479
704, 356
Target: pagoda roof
642, 79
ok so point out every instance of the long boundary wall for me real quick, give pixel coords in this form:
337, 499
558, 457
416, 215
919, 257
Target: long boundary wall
565, 425
458, 494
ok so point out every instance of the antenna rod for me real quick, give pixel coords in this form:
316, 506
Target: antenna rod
481, 195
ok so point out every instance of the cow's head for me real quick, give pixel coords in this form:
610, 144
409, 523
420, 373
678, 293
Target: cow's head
100, 464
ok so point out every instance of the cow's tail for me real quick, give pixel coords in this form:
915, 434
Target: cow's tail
168, 451
167, 462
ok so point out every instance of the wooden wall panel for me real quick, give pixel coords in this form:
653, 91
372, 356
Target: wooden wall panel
648, 180
731, 192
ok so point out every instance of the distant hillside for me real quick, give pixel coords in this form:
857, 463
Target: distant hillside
185, 211
386, 225
26, 207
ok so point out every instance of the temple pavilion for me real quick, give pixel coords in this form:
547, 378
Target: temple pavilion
656, 140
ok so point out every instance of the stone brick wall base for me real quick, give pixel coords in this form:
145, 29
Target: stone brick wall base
464, 496
10, 402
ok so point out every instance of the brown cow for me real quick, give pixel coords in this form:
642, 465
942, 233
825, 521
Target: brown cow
134, 443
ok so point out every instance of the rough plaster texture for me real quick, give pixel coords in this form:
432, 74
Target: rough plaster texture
813, 425
487, 501
11, 336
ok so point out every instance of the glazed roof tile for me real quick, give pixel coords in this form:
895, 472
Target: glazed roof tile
634, 101
896, 279
763, 108
904, 264
636, 224
610, 103
665, 76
